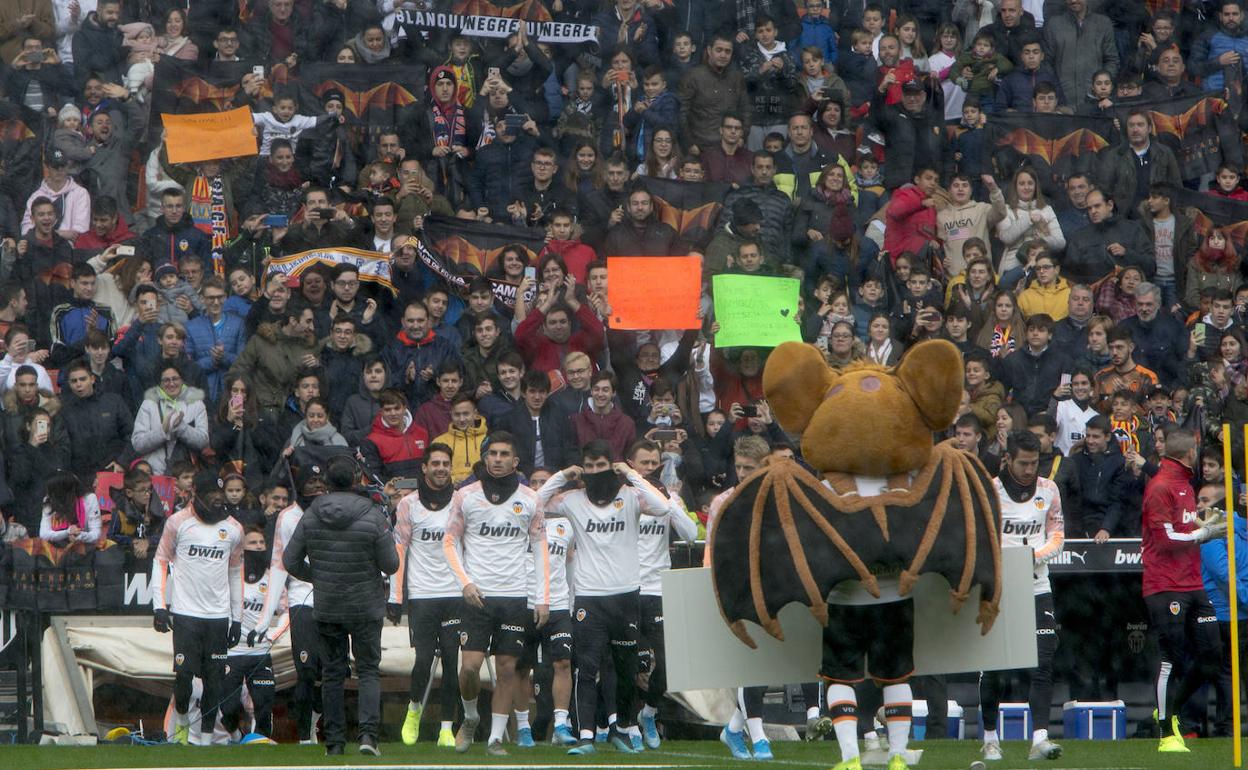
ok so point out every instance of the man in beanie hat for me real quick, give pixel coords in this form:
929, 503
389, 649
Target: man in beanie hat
744, 224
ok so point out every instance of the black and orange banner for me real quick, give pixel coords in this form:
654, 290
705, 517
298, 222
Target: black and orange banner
458, 250
1055, 146
1200, 130
1209, 211
691, 208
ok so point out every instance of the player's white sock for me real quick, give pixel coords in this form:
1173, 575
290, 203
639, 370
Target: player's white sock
498, 727
447, 724
611, 720
812, 713
649, 711
736, 723
990, 736
522, 719
843, 708
898, 701
561, 717
755, 724
587, 735
634, 730
413, 706
470, 709
1039, 736
181, 720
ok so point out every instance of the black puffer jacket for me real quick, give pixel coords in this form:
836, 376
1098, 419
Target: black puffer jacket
347, 542
99, 431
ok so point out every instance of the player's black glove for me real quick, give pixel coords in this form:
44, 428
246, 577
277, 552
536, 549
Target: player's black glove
161, 621
255, 635
236, 633
394, 612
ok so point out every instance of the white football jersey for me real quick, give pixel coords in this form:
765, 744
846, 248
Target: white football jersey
607, 560
423, 568
654, 546
559, 542
1037, 523
488, 543
198, 567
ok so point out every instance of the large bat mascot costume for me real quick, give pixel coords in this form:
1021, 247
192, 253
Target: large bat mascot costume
889, 507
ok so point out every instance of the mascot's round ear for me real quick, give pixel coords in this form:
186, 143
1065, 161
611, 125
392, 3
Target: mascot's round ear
794, 382
931, 373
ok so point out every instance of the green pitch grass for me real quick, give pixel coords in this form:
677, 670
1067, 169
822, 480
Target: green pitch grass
942, 755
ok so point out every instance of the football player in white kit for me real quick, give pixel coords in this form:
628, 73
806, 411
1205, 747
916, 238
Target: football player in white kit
305, 639
606, 577
197, 577
1031, 515
654, 549
499, 525
434, 598
250, 665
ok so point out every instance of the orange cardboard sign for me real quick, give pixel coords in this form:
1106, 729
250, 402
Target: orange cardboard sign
654, 292
209, 135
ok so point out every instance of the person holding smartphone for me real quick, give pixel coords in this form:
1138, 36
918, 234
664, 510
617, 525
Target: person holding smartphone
71, 514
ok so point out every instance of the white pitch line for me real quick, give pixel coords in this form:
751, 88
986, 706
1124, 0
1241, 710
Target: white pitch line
314, 766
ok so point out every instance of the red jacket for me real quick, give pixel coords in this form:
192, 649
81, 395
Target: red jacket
434, 416
1171, 556
614, 427
390, 452
575, 254
908, 224
540, 352
91, 242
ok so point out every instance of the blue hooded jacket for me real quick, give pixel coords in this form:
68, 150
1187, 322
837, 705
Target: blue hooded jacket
1215, 570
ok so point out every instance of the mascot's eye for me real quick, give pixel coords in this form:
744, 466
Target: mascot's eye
832, 391
869, 384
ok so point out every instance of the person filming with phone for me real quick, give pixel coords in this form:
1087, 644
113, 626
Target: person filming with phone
324, 225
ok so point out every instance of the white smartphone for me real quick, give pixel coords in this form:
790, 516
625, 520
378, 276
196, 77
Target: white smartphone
530, 272
1065, 380
258, 71
125, 251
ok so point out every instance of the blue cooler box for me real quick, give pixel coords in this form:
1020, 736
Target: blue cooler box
1095, 720
1013, 722
956, 723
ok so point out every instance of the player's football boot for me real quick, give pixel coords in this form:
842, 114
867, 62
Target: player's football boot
411, 727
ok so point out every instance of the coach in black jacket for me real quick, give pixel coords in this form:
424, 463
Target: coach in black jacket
347, 542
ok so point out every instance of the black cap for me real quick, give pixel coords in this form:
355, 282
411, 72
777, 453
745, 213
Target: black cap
333, 94
913, 86
444, 75
56, 159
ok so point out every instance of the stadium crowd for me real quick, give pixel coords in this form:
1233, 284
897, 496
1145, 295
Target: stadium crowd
1090, 310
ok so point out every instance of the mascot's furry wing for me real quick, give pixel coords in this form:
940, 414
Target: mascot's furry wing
784, 536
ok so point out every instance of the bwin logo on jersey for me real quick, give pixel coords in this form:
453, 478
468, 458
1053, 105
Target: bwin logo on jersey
653, 528
505, 530
207, 552
611, 525
431, 535
1022, 528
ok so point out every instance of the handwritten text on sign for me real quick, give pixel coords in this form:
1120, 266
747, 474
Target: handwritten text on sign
755, 311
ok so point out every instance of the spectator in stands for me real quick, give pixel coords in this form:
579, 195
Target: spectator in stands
138, 515
1034, 372
395, 445
544, 436
1095, 485
71, 512
273, 356
97, 422
775, 205
604, 420
172, 423
1159, 338
416, 353
708, 93
1110, 241
640, 233
1081, 42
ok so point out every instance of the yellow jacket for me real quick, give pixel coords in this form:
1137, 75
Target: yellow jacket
1041, 299
465, 447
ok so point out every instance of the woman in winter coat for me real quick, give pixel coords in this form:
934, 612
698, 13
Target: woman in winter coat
828, 216
314, 429
172, 424
1027, 217
30, 463
1214, 264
